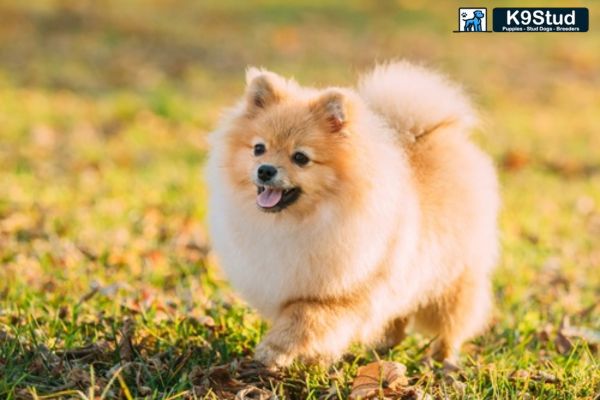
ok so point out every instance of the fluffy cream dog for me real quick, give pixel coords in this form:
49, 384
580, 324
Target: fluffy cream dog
342, 215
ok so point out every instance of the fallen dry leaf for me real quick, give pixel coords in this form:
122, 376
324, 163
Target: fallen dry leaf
95, 351
450, 367
543, 376
587, 311
570, 168
566, 332
230, 380
515, 160
539, 376
545, 333
453, 381
88, 295
79, 377
376, 376
589, 335
23, 394
254, 393
144, 390
520, 374
459, 387
562, 343
125, 344
331, 393
218, 380
573, 331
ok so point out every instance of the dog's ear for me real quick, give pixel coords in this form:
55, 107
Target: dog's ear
263, 89
331, 110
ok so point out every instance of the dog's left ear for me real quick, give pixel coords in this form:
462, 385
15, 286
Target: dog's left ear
331, 110
264, 88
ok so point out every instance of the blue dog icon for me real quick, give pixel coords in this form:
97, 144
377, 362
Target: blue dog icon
473, 24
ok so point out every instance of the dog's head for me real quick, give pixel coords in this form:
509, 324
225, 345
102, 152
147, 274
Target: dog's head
291, 149
478, 14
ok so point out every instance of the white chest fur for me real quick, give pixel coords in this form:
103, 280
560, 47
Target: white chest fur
270, 261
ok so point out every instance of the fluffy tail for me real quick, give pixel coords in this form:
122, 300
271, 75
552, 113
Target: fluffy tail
414, 100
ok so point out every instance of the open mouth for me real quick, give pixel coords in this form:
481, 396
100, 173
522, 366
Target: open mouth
273, 199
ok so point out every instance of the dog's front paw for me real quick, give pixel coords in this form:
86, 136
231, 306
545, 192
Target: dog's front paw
272, 355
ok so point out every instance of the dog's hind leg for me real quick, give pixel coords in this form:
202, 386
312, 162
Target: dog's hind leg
394, 334
459, 314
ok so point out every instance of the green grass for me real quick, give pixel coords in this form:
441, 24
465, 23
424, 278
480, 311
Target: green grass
104, 112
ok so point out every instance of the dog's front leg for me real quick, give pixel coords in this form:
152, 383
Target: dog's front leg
315, 331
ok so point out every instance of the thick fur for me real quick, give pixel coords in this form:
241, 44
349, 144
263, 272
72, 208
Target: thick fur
396, 222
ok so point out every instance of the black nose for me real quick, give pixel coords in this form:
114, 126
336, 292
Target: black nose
266, 172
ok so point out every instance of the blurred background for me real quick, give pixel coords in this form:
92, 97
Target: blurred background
104, 109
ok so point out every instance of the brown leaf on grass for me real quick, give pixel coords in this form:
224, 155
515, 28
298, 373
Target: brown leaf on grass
459, 387
97, 288
562, 343
203, 320
23, 394
453, 381
545, 333
36, 366
190, 241
125, 345
416, 394
144, 390
87, 253
566, 332
147, 298
376, 377
81, 378
570, 168
251, 369
63, 312
331, 393
78, 377
254, 393
96, 351
227, 380
450, 367
538, 376
547, 377
520, 374
588, 335
287, 39
587, 311
88, 295
515, 160
218, 380
44, 359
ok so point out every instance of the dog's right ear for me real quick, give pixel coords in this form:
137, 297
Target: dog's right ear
332, 110
263, 89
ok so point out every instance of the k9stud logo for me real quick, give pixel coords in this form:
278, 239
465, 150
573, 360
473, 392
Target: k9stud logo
524, 19
472, 20
541, 19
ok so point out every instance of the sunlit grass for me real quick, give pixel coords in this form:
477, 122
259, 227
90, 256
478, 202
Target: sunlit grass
102, 143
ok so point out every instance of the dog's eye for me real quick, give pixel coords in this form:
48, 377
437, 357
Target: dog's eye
300, 158
259, 149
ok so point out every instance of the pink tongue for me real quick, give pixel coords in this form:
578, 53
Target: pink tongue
269, 197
